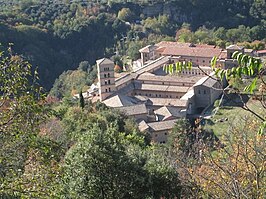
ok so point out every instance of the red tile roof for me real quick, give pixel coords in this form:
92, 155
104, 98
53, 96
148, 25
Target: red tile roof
261, 51
192, 51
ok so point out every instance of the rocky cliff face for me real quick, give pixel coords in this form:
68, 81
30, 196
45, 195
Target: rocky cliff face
170, 9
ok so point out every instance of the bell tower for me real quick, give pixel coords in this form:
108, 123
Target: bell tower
106, 78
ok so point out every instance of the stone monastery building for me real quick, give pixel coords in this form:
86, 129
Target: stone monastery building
157, 99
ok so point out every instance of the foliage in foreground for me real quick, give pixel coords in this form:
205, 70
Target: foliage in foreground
24, 155
106, 164
236, 170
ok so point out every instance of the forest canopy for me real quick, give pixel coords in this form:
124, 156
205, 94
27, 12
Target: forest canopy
57, 35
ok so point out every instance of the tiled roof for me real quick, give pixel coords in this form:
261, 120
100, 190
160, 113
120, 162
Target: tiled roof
183, 45
125, 90
207, 81
192, 51
104, 61
153, 65
168, 78
188, 95
234, 47
167, 102
125, 78
248, 50
163, 88
119, 101
172, 44
261, 51
162, 125
137, 109
143, 126
168, 111
223, 55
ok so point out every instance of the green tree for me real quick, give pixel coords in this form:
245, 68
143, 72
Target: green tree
98, 167
125, 14
105, 162
21, 113
81, 100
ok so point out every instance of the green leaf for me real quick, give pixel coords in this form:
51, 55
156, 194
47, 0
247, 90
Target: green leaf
213, 62
190, 65
227, 73
239, 71
250, 88
245, 70
262, 128
217, 70
184, 64
235, 54
239, 58
244, 59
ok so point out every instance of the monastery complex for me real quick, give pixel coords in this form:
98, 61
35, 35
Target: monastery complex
157, 99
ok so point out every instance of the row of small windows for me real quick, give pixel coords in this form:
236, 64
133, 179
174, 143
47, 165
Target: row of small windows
196, 73
203, 61
108, 75
158, 95
107, 82
108, 90
204, 92
178, 84
106, 69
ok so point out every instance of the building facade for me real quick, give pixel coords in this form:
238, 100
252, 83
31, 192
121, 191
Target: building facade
157, 99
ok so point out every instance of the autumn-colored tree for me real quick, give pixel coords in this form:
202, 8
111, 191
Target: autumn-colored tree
236, 170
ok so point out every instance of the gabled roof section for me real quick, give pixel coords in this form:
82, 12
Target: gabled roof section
167, 102
104, 61
207, 81
143, 126
168, 78
145, 49
154, 65
192, 51
234, 47
167, 111
162, 126
119, 101
137, 109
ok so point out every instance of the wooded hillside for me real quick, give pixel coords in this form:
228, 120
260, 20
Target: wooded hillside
58, 35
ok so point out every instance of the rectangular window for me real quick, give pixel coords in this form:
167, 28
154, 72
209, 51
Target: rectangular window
199, 91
